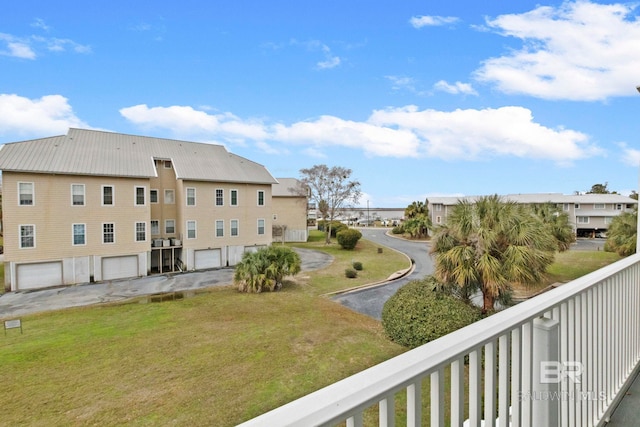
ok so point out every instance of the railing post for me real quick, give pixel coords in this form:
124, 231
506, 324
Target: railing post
547, 372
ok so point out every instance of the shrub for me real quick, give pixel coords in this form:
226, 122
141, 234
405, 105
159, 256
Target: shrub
348, 238
416, 314
357, 265
350, 273
336, 227
266, 268
398, 229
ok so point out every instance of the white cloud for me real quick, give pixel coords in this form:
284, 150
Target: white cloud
39, 23
432, 21
456, 88
577, 51
394, 132
330, 60
27, 47
630, 156
46, 116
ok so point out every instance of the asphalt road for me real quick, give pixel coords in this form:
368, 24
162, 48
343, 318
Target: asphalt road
370, 301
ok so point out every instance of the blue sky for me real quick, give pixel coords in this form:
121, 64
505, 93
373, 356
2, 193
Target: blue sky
418, 98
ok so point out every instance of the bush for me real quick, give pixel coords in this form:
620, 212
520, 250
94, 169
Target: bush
398, 229
357, 265
336, 227
348, 238
266, 268
416, 314
350, 273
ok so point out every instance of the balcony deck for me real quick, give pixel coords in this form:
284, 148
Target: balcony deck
628, 412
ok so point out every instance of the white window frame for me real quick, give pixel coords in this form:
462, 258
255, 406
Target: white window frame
437, 207
84, 234
112, 233
576, 206
599, 206
167, 164
608, 219
582, 220
231, 192
438, 219
218, 195
566, 207
137, 230
113, 195
191, 198
166, 226
232, 228
264, 226
151, 193
21, 236
157, 227
32, 193
169, 200
259, 194
83, 194
192, 227
219, 228
144, 196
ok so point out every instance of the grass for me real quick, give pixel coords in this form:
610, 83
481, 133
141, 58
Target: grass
215, 359
218, 358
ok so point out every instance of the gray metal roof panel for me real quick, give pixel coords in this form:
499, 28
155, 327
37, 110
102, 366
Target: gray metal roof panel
89, 152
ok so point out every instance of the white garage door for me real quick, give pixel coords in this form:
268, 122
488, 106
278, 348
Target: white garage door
39, 275
119, 267
207, 258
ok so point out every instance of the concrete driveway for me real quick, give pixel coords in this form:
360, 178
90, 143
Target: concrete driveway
14, 304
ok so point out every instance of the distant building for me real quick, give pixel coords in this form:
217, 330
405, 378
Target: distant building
95, 206
289, 211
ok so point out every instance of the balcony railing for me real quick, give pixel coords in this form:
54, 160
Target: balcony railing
565, 357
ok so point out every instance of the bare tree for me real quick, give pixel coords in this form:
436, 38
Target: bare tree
331, 189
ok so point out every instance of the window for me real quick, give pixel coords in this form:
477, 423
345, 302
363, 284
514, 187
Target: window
77, 194
108, 232
167, 164
576, 206
153, 196
191, 196
107, 195
155, 227
25, 191
79, 235
438, 207
141, 231
140, 196
27, 236
608, 219
219, 228
582, 219
261, 226
234, 227
260, 198
619, 207
170, 226
169, 197
234, 197
438, 219
219, 197
191, 229
598, 206
565, 206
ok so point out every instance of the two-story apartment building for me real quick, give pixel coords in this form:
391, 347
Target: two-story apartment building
95, 206
289, 211
589, 214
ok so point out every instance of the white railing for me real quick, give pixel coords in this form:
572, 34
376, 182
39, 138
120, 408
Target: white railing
564, 358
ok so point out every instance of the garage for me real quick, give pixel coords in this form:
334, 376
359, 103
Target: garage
39, 275
207, 258
119, 267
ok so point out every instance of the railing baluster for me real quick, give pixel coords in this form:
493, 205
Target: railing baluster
503, 379
457, 392
566, 400
437, 398
517, 394
475, 391
355, 421
490, 384
527, 372
414, 404
387, 411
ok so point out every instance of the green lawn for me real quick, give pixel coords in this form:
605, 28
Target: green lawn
218, 358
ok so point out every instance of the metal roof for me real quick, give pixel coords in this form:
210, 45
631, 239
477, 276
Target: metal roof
540, 198
90, 152
286, 187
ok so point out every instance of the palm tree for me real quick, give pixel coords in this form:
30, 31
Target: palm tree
558, 224
622, 233
417, 223
266, 268
416, 208
490, 245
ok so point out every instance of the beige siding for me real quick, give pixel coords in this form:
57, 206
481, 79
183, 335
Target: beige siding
291, 213
53, 216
